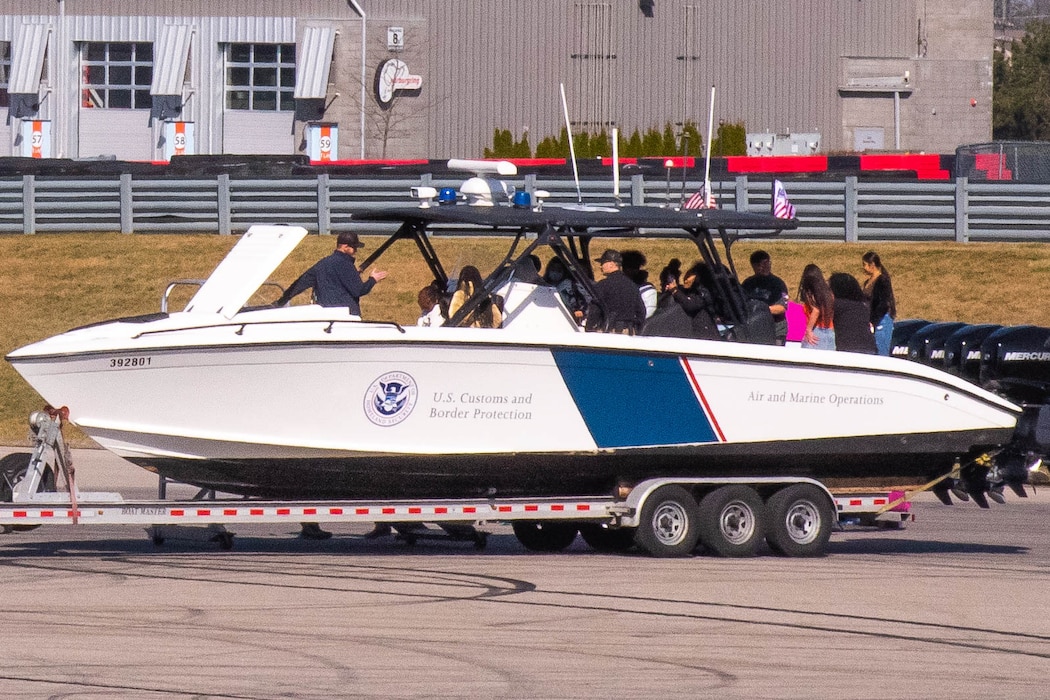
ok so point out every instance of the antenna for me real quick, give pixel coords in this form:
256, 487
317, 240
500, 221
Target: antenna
616, 163
710, 127
572, 149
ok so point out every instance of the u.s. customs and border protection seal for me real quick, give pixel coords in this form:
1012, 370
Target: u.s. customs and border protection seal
391, 398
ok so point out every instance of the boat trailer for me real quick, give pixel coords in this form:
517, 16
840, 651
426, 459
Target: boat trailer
39, 488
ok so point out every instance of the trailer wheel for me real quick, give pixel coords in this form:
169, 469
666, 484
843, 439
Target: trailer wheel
602, 538
13, 469
668, 523
545, 536
732, 521
800, 521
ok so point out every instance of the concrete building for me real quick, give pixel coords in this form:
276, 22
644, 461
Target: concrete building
348, 79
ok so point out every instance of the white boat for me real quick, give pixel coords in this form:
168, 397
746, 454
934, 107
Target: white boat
312, 402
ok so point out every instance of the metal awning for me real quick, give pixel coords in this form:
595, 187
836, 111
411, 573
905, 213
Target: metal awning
169, 59
27, 59
314, 64
887, 84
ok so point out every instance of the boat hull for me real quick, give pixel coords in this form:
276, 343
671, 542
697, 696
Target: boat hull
871, 462
382, 412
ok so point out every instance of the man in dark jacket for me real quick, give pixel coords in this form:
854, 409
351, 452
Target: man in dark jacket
618, 307
770, 290
335, 279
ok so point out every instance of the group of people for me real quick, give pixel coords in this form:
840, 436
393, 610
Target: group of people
840, 314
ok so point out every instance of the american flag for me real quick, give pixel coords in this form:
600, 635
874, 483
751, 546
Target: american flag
702, 199
782, 208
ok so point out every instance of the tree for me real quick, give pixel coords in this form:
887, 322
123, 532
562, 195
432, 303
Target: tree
653, 144
730, 140
670, 146
551, 147
632, 148
693, 142
1021, 88
502, 145
522, 149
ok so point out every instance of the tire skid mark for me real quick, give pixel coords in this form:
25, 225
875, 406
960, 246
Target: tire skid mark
798, 626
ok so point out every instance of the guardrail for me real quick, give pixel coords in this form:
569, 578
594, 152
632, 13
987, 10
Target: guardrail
848, 209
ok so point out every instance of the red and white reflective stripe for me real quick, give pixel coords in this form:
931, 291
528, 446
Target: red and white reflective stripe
44, 514
157, 513
861, 503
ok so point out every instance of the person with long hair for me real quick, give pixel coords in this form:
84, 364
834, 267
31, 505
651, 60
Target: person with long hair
819, 304
669, 277
689, 311
852, 330
878, 288
486, 314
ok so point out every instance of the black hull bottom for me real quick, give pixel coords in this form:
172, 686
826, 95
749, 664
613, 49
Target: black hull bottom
862, 461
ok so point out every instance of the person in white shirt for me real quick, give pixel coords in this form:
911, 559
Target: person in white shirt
430, 307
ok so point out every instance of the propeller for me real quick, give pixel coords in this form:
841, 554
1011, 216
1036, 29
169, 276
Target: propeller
943, 491
974, 480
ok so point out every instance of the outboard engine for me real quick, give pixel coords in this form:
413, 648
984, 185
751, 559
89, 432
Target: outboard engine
962, 350
1024, 455
926, 345
1015, 363
902, 333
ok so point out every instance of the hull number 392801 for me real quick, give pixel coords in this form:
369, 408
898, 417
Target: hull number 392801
128, 362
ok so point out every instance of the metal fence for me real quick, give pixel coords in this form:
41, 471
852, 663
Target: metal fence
849, 209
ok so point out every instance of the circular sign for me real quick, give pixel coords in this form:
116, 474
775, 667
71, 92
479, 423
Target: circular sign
390, 398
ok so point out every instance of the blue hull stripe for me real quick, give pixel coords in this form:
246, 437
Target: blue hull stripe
633, 400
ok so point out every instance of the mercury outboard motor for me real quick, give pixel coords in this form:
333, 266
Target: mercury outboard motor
962, 350
1015, 363
926, 345
902, 333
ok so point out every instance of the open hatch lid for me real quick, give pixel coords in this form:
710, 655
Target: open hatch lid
244, 269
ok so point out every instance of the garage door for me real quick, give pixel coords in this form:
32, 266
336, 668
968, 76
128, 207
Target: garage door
249, 132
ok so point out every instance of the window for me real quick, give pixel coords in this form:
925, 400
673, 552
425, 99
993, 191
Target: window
260, 77
116, 75
5, 72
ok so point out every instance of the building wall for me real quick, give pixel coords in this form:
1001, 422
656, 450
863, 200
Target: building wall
779, 67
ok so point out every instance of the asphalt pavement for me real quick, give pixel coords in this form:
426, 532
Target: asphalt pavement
952, 606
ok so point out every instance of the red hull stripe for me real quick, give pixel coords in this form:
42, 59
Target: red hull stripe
703, 400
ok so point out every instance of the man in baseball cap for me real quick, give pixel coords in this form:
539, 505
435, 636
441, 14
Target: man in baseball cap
618, 306
335, 279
